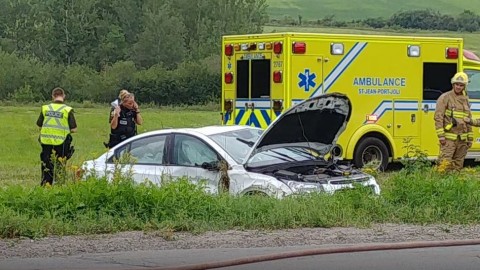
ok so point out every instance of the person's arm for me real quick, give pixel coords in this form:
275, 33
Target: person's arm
469, 130
72, 122
471, 121
115, 116
438, 117
40, 121
138, 116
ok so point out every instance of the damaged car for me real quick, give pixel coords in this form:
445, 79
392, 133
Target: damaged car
294, 155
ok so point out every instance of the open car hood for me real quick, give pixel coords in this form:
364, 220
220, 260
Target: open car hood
315, 123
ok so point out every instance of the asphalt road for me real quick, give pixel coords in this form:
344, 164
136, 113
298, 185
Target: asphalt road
444, 258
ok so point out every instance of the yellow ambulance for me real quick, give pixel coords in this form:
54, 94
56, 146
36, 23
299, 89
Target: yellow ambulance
392, 81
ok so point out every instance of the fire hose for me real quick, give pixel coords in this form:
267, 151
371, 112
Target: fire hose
323, 251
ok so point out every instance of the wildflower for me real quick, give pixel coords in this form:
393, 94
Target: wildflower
443, 166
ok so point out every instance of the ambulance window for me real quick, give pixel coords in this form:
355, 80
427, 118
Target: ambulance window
260, 78
473, 87
242, 79
436, 79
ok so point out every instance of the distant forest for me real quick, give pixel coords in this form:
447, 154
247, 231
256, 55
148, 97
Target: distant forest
165, 51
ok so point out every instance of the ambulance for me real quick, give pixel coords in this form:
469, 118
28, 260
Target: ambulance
393, 83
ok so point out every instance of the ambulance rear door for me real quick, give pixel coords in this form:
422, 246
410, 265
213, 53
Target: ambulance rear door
253, 89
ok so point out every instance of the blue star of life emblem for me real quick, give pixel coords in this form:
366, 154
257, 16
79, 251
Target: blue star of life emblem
229, 65
307, 80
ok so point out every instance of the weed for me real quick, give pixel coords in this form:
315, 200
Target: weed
414, 159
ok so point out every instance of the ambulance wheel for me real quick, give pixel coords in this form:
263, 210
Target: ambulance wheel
371, 150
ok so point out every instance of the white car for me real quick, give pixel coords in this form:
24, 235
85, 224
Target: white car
289, 157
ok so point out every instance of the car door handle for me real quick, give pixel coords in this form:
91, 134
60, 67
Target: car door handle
249, 106
425, 108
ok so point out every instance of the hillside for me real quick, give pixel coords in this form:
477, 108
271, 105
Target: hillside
362, 9
472, 40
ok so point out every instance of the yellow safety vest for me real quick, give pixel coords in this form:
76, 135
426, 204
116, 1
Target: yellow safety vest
55, 126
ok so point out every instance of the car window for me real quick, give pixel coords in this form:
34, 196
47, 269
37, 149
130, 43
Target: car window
190, 151
148, 150
473, 87
237, 143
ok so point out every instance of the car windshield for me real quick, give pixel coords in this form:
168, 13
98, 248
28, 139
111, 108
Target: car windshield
284, 155
237, 143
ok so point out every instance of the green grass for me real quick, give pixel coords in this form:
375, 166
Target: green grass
417, 195
20, 155
472, 40
420, 196
362, 9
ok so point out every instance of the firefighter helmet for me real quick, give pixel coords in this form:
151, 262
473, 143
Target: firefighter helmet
460, 77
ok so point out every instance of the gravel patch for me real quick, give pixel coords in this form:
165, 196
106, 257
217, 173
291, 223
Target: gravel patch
159, 240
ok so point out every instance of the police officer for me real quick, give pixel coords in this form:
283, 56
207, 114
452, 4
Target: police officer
56, 123
454, 135
124, 119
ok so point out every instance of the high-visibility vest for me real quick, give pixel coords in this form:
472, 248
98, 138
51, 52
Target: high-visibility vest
55, 126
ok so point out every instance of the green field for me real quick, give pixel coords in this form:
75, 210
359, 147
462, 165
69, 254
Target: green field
20, 155
362, 9
472, 40
419, 194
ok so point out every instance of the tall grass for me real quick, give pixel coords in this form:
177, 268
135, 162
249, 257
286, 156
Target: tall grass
419, 193
417, 196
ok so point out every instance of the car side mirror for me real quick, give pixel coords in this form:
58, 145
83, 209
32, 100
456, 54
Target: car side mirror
211, 166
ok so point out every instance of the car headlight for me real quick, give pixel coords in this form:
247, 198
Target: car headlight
300, 187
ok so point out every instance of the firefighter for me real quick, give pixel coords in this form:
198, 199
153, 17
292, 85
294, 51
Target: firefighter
56, 123
124, 118
454, 134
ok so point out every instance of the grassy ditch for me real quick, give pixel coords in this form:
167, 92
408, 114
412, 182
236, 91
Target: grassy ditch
417, 196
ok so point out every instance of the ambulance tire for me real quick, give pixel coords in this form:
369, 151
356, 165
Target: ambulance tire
371, 147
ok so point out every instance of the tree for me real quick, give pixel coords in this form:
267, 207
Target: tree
162, 40
468, 21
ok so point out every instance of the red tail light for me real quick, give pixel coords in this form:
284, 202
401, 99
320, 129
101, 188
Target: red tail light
299, 47
277, 76
277, 105
452, 53
227, 105
229, 50
228, 77
277, 47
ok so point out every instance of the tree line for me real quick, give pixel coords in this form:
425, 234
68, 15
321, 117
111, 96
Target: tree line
424, 19
165, 51
92, 48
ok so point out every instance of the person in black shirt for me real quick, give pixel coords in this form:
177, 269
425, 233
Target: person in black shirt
124, 119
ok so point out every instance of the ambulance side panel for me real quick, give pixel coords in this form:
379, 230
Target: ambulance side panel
386, 87
393, 91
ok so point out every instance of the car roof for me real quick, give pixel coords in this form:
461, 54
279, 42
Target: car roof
207, 130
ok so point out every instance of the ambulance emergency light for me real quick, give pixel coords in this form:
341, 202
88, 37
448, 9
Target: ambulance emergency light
336, 48
413, 50
451, 53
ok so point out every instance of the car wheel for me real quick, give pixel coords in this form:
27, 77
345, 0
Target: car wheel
256, 193
371, 150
